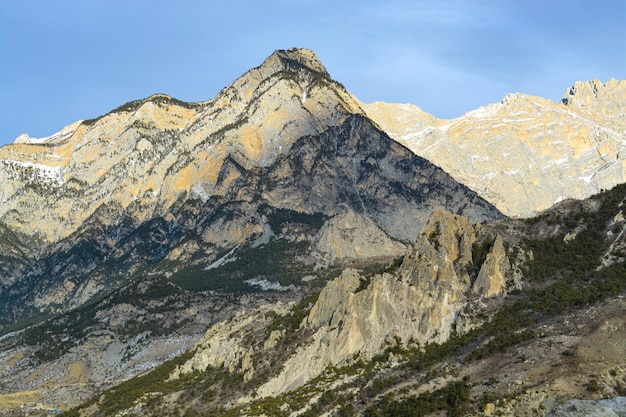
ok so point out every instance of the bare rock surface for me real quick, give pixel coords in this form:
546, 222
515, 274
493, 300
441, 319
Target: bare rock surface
419, 303
525, 153
615, 407
353, 236
167, 184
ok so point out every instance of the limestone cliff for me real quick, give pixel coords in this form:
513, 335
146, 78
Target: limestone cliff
223, 346
352, 236
492, 279
525, 153
418, 303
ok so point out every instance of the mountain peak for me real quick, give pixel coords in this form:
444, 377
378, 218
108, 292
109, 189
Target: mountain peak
295, 58
588, 93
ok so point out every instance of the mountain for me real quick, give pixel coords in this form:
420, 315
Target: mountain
131, 232
525, 153
272, 251
158, 184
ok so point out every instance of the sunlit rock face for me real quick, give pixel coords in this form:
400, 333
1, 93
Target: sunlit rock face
525, 153
353, 236
146, 154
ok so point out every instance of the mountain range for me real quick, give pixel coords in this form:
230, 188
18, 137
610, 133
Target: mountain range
526, 153
285, 249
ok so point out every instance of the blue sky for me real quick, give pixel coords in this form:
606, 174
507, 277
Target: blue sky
66, 60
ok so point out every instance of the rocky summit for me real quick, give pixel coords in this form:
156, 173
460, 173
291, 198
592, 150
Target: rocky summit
286, 250
525, 153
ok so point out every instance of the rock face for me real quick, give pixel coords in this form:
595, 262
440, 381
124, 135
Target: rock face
222, 346
52, 186
615, 407
525, 153
158, 183
420, 302
352, 236
491, 279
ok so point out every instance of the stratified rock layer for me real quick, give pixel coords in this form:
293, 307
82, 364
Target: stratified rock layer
525, 153
146, 154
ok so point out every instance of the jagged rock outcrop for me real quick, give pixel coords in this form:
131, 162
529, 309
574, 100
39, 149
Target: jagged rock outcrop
493, 273
361, 315
223, 344
603, 102
418, 303
525, 153
352, 236
617, 250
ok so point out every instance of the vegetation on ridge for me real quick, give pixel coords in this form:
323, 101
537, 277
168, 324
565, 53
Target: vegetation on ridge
131, 106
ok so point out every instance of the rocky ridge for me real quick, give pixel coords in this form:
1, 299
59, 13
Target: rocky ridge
446, 284
545, 152
365, 345
276, 179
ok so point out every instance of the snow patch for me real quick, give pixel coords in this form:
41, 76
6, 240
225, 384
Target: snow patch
199, 191
490, 175
587, 178
63, 134
266, 285
483, 111
28, 171
444, 128
514, 172
419, 134
479, 158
